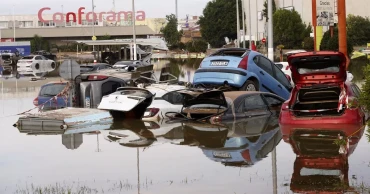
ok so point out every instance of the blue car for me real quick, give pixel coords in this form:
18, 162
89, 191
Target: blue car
47, 92
243, 70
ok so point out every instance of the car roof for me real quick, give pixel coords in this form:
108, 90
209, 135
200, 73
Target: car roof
233, 95
116, 73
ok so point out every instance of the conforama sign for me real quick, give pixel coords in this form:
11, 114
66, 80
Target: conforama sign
58, 17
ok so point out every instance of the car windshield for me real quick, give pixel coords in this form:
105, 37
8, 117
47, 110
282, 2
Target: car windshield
318, 67
28, 57
86, 68
5, 57
52, 90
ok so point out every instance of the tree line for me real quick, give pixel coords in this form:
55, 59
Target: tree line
289, 29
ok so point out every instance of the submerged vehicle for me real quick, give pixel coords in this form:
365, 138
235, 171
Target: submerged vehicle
218, 106
93, 67
127, 102
321, 93
89, 91
244, 70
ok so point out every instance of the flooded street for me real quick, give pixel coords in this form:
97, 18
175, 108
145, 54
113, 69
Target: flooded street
182, 158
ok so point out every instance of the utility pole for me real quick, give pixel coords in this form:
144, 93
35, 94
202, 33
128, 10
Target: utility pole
250, 25
93, 23
270, 41
134, 28
342, 31
257, 32
237, 24
177, 13
314, 23
243, 16
13, 25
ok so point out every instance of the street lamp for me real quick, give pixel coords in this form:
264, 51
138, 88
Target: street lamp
134, 28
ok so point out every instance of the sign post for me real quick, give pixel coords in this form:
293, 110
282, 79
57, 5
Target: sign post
70, 70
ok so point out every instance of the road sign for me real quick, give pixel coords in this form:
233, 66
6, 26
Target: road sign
325, 12
93, 38
263, 40
69, 69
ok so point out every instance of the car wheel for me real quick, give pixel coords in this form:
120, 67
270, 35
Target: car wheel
249, 85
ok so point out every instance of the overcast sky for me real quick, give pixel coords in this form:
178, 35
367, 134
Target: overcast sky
153, 8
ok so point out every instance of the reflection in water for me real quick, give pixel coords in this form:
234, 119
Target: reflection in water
321, 163
238, 143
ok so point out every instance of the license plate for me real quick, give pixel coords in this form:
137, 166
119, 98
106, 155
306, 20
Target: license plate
87, 102
219, 63
221, 154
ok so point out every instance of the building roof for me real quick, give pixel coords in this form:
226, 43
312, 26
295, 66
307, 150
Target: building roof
66, 32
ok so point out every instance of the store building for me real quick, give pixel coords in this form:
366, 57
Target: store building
77, 25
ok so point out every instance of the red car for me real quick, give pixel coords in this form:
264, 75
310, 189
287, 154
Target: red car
321, 93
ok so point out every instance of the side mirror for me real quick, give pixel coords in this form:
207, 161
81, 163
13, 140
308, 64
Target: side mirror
288, 77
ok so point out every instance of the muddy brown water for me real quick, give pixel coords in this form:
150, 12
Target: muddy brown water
93, 163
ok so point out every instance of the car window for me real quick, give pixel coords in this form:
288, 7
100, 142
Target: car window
355, 91
253, 102
28, 57
52, 90
265, 64
279, 65
173, 98
280, 76
109, 87
38, 58
273, 101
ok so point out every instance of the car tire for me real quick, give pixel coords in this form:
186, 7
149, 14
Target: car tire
249, 85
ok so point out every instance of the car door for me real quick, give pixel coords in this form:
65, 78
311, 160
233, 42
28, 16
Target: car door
265, 74
283, 83
253, 105
274, 103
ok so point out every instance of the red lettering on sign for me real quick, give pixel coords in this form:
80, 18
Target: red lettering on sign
90, 17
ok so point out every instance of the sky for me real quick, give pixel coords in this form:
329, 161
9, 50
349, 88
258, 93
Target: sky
152, 8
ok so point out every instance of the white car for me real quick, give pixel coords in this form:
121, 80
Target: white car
34, 65
284, 66
166, 100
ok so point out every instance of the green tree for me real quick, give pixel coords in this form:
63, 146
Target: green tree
197, 46
308, 44
358, 30
332, 43
39, 43
170, 32
219, 21
289, 30
105, 37
265, 9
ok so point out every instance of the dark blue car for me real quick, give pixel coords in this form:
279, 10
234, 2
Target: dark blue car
47, 92
244, 70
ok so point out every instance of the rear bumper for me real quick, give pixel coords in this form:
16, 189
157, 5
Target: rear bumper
218, 76
348, 122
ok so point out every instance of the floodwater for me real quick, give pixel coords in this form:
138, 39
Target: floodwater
172, 158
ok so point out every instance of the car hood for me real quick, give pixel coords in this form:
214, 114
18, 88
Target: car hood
318, 67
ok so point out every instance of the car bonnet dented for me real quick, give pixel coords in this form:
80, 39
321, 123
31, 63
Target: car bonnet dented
214, 97
318, 67
125, 99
